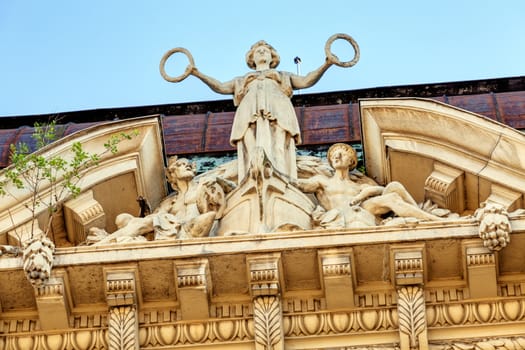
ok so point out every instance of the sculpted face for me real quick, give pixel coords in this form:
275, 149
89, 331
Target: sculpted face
181, 169
342, 157
262, 55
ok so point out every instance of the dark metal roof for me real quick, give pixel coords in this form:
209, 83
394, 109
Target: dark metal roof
204, 127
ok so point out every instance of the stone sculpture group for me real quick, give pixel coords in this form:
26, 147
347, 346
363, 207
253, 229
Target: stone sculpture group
264, 190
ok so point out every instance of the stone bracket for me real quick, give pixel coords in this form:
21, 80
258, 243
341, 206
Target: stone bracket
265, 274
122, 286
445, 187
481, 271
407, 265
338, 277
509, 199
81, 214
53, 300
194, 288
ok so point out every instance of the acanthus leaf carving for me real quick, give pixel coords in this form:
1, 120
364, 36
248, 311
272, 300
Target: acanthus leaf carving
267, 322
122, 328
411, 313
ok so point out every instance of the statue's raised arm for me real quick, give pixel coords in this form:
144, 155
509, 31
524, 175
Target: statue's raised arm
265, 117
303, 82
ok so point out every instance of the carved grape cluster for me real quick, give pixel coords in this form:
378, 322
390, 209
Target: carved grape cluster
494, 226
38, 259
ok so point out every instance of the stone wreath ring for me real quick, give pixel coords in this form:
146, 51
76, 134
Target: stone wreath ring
333, 58
186, 73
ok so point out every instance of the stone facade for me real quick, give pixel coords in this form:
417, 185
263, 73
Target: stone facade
273, 250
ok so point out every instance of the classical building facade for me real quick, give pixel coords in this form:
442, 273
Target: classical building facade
262, 260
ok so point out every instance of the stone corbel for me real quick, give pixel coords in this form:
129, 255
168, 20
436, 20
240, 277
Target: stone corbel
407, 265
53, 300
445, 187
81, 214
194, 288
408, 272
338, 277
481, 270
122, 296
265, 274
265, 278
509, 199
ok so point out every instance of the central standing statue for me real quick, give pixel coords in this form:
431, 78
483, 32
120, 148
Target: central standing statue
265, 117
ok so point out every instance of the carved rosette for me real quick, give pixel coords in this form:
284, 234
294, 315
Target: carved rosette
38, 259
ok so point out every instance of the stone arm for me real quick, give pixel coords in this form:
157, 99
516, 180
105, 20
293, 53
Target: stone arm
226, 88
367, 192
310, 185
303, 82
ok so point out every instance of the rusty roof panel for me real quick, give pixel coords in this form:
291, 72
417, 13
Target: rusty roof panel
483, 104
354, 123
6, 139
324, 136
184, 133
217, 136
322, 118
325, 124
511, 107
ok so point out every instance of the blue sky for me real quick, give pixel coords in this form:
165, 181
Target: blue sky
59, 56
